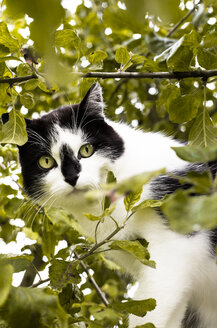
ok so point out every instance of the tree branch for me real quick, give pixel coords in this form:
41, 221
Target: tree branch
205, 74
93, 281
18, 79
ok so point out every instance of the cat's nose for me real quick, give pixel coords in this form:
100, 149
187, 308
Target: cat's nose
72, 179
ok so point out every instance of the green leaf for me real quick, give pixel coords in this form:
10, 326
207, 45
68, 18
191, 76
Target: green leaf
6, 39
108, 211
97, 56
66, 38
131, 199
62, 273
18, 262
139, 308
6, 271
24, 69
183, 108
207, 58
135, 248
27, 99
184, 212
122, 56
202, 132
148, 203
196, 154
14, 131
36, 305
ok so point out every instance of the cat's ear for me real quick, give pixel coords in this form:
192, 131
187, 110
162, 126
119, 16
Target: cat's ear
92, 101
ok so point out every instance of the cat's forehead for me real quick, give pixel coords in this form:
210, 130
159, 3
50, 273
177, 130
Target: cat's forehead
73, 138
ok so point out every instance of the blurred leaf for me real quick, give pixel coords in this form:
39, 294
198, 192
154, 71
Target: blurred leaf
66, 38
184, 212
27, 99
5, 281
18, 262
207, 57
97, 56
14, 131
183, 108
196, 154
38, 306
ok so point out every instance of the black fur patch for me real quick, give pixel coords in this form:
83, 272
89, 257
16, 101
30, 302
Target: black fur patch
191, 319
70, 165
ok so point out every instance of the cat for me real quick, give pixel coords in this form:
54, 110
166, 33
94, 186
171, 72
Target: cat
70, 150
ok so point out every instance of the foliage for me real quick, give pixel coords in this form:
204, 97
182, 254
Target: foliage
43, 49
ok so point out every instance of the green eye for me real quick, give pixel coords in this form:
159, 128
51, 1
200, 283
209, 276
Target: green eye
46, 162
86, 150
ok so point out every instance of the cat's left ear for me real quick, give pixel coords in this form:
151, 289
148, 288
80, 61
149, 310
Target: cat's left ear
92, 102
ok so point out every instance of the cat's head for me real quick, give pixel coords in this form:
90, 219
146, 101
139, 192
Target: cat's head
68, 149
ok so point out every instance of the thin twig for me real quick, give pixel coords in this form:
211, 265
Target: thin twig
93, 281
40, 282
182, 20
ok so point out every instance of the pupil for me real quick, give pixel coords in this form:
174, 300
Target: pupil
46, 160
86, 148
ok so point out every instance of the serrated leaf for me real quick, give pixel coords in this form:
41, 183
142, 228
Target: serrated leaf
131, 199
139, 308
135, 248
122, 56
18, 262
196, 154
202, 132
37, 306
6, 271
6, 39
97, 56
14, 131
183, 108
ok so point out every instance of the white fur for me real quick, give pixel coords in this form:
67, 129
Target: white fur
185, 271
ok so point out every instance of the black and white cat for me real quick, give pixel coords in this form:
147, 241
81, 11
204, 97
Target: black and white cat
71, 150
